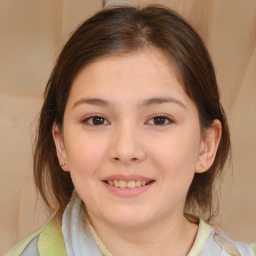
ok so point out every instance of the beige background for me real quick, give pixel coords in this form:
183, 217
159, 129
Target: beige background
32, 33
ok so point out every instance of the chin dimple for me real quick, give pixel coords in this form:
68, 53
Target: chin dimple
129, 184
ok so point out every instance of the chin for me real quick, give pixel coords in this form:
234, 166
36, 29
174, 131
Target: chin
128, 219
128, 223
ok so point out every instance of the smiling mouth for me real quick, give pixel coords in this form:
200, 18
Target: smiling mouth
128, 184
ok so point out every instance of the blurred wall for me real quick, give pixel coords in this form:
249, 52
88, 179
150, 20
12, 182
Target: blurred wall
32, 33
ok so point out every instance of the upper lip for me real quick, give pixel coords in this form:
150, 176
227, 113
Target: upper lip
127, 177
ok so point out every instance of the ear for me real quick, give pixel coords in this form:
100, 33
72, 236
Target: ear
60, 146
208, 147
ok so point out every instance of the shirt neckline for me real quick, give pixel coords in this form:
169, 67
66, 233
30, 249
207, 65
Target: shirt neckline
203, 233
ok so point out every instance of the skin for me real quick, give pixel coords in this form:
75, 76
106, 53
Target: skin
129, 140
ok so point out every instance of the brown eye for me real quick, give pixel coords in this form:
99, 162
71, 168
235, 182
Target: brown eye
160, 120
95, 120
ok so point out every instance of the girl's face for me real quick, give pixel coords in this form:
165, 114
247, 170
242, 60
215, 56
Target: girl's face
131, 139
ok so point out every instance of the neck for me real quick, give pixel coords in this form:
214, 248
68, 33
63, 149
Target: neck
167, 235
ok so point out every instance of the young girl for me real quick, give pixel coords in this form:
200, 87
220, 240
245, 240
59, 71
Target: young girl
131, 139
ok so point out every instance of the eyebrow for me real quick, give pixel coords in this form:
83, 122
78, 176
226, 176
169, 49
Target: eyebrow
145, 103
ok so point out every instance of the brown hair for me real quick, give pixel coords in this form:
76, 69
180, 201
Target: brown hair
120, 30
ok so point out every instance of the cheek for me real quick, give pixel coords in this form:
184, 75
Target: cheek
177, 154
84, 153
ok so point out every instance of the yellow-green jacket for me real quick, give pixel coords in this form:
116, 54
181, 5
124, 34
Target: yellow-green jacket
49, 241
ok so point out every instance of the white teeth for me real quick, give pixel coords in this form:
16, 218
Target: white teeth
129, 184
138, 183
116, 183
122, 184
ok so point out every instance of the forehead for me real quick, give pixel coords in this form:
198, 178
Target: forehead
130, 75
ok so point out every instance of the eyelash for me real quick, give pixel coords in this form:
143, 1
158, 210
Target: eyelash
95, 116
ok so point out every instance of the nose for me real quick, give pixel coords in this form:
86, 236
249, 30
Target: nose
127, 145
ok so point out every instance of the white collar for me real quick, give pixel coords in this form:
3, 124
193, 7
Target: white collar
77, 237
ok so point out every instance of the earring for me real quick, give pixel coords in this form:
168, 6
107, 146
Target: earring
63, 164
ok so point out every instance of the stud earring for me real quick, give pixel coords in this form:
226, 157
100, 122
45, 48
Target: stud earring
63, 164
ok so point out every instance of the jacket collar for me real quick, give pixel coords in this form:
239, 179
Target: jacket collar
51, 242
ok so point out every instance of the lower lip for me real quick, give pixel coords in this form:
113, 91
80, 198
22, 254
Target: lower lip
128, 192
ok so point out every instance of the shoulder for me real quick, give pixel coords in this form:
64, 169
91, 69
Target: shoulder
221, 244
234, 247
21, 246
46, 241
254, 248
210, 241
